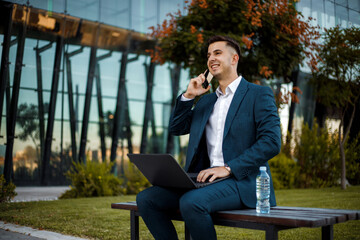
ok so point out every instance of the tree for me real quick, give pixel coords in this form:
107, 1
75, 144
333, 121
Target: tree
30, 127
273, 37
337, 79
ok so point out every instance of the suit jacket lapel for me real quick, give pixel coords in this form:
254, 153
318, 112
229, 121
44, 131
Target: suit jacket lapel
207, 112
235, 103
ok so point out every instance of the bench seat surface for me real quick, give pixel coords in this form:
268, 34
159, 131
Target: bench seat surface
292, 217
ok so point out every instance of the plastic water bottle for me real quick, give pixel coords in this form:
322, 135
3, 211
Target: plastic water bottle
263, 191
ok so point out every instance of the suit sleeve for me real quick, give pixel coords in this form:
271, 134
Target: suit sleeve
180, 119
268, 137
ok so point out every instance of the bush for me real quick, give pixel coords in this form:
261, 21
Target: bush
352, 151
7, 191
317, 154
135, 180
284, 171
92, 180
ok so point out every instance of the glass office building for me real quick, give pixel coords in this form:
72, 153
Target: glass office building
77, 84
326, 14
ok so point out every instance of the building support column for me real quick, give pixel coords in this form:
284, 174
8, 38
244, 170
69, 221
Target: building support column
73, 118
38, 51
86, 115
119, 99
148, 115
175, 80
51, 115
4, 70
100, 105
12, 112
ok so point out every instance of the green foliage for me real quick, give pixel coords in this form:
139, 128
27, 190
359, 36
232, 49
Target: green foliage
135, 180
7, 191
268, 32
352, 151
92, 180
284, 171
337, 80
317, 154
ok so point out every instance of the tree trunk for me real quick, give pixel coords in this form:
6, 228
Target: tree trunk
342, 145
343, 166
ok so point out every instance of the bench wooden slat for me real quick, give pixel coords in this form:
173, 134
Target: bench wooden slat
279, 218
282, 216
351, 214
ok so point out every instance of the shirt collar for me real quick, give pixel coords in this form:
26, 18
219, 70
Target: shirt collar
231, 88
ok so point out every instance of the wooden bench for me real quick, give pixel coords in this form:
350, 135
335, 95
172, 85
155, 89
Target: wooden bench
280, 218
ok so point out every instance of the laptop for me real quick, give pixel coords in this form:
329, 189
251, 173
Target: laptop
163, 170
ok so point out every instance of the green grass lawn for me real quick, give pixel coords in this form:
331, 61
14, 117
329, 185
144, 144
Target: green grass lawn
93, 218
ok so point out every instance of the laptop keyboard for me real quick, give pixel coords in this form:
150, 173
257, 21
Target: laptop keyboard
193, 177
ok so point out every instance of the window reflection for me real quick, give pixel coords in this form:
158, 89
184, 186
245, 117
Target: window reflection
341, 16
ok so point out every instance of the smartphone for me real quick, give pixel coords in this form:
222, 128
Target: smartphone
208, 77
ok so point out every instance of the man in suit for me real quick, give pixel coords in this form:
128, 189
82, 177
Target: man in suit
233, 131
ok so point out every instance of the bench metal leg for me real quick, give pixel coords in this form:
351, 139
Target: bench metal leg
271, 232
327, 232
134, 226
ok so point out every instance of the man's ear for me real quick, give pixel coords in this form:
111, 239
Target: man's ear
235, 58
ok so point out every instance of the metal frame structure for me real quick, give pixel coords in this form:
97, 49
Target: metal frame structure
117, 115
72, 115
66, 30
38, 52
148, 115
175, 80
50, 123
4, 70
89, 87
100, 105
12, 111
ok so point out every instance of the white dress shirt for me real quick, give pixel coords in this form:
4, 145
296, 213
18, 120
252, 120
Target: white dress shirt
216, 124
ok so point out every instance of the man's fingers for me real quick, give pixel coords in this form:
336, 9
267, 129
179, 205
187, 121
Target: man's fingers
205, 174
215, 173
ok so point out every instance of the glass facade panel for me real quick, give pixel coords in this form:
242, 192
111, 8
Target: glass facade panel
136, 79
341, 2
89, 10
354, 18
329, 14
116, 12
342, 16
354, 5
79, 68
304, 7
109, 74
318, 13
136, 111
49, 5
144, 14
162, 91
173, 6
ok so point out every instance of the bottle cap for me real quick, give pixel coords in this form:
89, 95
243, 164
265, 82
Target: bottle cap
262, 168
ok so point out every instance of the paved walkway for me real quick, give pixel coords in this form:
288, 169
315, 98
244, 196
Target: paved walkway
27, 194
10, 231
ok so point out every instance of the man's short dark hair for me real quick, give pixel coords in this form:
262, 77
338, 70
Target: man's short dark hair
229, 42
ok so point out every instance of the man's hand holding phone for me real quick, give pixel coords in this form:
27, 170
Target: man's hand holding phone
198, 85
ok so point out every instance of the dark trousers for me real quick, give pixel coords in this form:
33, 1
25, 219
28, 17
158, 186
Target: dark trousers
155, 203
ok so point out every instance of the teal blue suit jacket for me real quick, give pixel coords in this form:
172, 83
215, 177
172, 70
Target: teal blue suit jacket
251, 135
